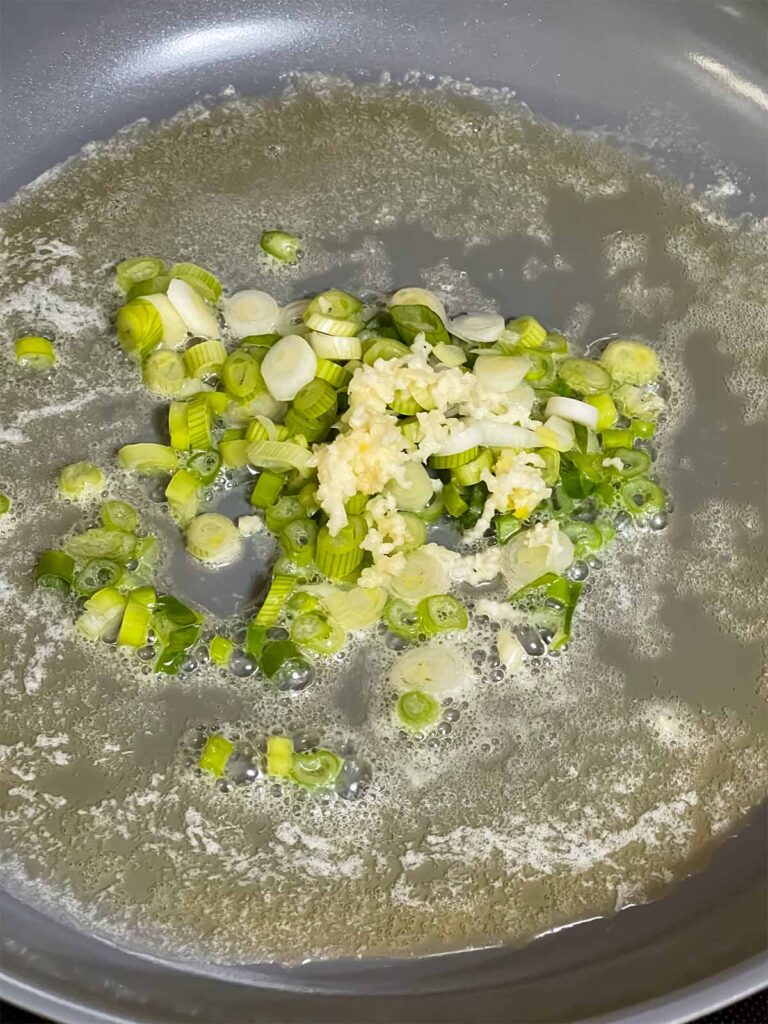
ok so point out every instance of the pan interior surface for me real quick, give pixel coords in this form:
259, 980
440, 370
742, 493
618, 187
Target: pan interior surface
582, 785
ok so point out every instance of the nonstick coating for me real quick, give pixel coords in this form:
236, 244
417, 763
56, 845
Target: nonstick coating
76, 70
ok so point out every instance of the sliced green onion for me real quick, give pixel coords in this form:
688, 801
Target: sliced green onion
279, 456
607, 413
455, 505
586, 537
164, 373
642, 428
336, 375
205, 358
257, 343
220, 649
411, 321
555, 343
584, 376
617, 438
206, 465
241, 375
634, 401
147, 459
315, 769
641, 497
542, 370
200, 421
214, 539
171, 614
55, 570
308, 498
102, 616
356, 608
298, 540
217, 401
279, 658
192, 309
449, 355
119, 515
402, 619
386, 348
340, 555
335, 304
300, 602
415, 532
279, 756
441, 613
340, 346
35, 352
316, 400
356, 504
134, 627
81, 480
418, 297
150, 286
564, 633
173, 653
282, 512
183, 495
267, 489
471, 472
129, 272
280, 590
215, 755
5, 504
416, 490
139, 328
234, 453
631, 362
452, 461
635, 462
404, 404
432, 512
506, 526
101, 543
97, 574
417, 711
251, 313
174, 329
178, 426
203, 281
551, 470
412, 430
529, 332
314, 633
282, 246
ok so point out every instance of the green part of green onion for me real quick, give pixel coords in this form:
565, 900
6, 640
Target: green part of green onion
101, 542
203, 281
607, 530
584, 376
279, 591
340, 555
621, 437
530, 333
506, 526
171, 614
635, 462
259, 341
334, 304
215, 755
97, 574
585, 536
316, 400
281, 245
590, 467
119, 515
313, 431
285, 566
417, 711
139, 268
315, 769
205, 466
80, 480
255, 638
642, 497
441, 613
281, 658
150, 286
542, 581
302, 603
471, 472
139, 328
55, 570
278, 515
413, 320
642, 428
279, 756
35, 352
432, 512
551, 468
241, 375
298, 540
267, 489
564, 633
174, 653
607, 414
220, 650
543, 371
477, 496
134, 629
314, 633
384, 348
402, 619
5, 504
148, 459
455, 505
555, 343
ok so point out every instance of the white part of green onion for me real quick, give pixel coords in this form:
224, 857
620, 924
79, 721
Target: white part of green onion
174, 329
469, 436
501, 373
290, 318
355, 608
81, 480
193, 309
494, 434
511, 651
438, 670
214, 539
572, 409
251, 312
422, 576
419, 297
485, 327
288, 366
331, 346
415, 492
557, 433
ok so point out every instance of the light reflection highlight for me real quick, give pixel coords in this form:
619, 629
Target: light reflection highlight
733, 81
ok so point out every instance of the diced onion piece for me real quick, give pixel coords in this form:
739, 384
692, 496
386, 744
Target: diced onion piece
631, 362
193, 309
330, 346
557, 433
251, 312
449, 355
35, 352
419, 297
288, 366
164, 373
422, 576
511, 651
81, 480
438, 670
500, 373
355, 608
574, 410
415, 492
485, 327
214, 539
174, 330
506, 435
204, 358
203, 281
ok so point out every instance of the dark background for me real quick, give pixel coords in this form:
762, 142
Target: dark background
750, 1011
